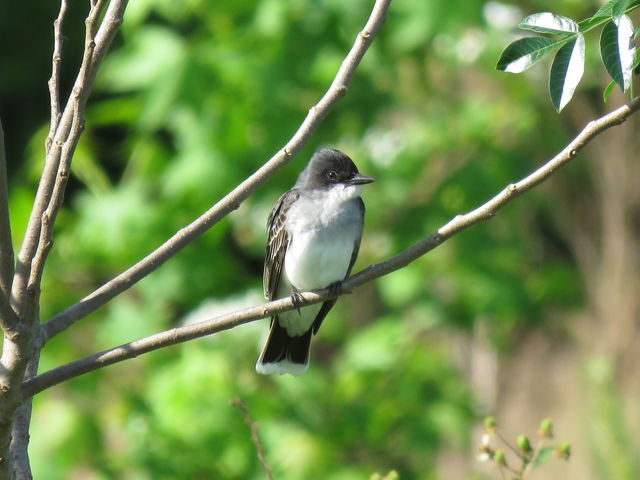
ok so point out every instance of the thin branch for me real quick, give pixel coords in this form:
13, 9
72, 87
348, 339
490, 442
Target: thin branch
166, 338
490, 208
54, 81
233, 199
255, 438
527, 467
512, 448
7, 315
230, 320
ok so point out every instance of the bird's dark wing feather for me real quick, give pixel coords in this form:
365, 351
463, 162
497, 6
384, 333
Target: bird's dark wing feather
328, 305
277, 243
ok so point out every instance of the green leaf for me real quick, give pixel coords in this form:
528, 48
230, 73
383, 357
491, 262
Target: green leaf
604, 11
547, 22
618, 9
618, 50
542, 456
566, 72
608, 90
523, 53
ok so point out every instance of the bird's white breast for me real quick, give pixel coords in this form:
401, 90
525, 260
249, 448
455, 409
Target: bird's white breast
322, 239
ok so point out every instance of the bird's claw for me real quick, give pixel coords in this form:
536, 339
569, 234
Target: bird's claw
297, 299
336, 289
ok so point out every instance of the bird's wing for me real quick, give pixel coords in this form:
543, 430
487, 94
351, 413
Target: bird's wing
328, 305
277, 243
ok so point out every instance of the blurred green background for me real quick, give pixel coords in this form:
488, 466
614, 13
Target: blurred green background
532, 314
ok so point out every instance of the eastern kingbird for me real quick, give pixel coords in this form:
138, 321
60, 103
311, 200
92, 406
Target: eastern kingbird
314, 235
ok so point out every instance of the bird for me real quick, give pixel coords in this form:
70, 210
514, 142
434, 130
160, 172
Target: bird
314, 233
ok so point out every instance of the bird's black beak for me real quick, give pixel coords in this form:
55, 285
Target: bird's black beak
358, 179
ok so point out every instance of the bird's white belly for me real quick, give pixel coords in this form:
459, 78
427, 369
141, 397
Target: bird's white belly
317, 258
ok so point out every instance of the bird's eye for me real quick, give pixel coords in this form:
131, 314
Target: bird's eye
332, 175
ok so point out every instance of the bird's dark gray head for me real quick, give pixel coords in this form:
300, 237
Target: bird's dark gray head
330, 167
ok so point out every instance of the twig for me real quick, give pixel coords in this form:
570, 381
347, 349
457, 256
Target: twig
511, 447
502, 475
527, 467
54, 81
230, 320
253, 426
233, 199
7, 315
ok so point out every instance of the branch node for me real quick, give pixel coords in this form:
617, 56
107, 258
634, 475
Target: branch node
12, 336
341, 90
512, 188
287, 152
573, 153
365, 34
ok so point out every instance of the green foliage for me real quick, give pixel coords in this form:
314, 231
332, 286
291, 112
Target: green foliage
617, 47
566, 72
618, 50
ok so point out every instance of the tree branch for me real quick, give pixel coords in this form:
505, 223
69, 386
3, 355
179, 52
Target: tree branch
230, 320
20, 431
233, 199
61, 144
54, 81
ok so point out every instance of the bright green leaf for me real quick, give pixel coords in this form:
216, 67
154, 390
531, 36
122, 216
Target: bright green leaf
608, 90
523, 53
543, 455
604, 10
547, 22
619, 8
566, 72
618, 50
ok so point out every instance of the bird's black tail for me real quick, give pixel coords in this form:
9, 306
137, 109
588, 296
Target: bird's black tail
284, 354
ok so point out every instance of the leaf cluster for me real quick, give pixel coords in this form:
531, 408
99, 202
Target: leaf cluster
566, 37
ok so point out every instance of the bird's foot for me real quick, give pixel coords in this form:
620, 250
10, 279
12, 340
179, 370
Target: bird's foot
336, 289
297, 299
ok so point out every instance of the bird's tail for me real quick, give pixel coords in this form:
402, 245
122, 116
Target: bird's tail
283, 353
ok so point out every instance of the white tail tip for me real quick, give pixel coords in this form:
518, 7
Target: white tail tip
282, 367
